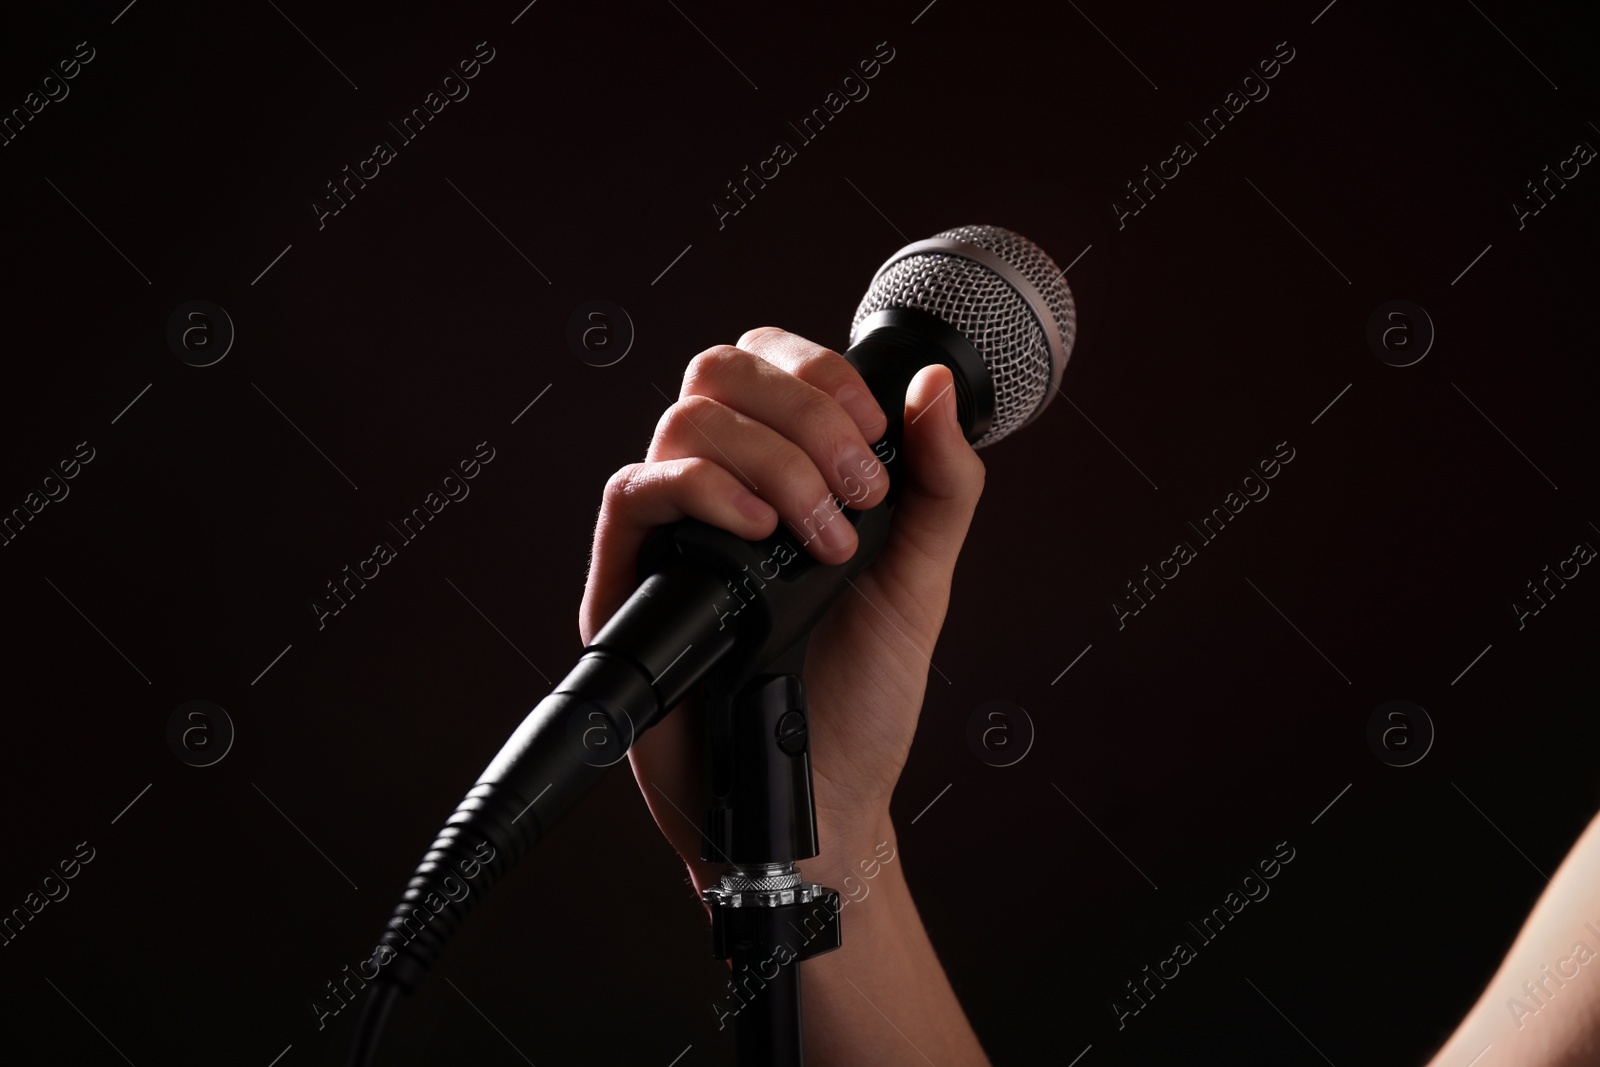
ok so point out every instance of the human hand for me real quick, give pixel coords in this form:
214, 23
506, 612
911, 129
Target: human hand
762, 432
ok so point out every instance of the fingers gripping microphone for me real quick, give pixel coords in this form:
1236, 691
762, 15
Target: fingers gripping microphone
984, 301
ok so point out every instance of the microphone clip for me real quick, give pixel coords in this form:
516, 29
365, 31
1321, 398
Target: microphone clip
761, 818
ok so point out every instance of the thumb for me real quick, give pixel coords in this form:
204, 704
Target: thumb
942, 480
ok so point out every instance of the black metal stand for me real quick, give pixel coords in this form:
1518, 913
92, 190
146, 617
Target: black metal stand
760, 818
760, 813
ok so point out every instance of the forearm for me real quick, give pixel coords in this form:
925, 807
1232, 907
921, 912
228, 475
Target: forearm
882, 998
1542, 1007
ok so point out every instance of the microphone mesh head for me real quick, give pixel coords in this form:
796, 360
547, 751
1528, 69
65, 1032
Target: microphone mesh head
1004, 295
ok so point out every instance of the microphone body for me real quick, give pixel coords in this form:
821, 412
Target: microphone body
983, 301
704, 594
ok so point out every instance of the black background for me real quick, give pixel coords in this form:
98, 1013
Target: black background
407, 330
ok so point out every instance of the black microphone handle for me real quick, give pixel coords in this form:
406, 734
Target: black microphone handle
559, 751
705, 593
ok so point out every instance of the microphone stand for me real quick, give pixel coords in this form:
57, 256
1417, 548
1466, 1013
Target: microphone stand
761, 815
760, 818
760, 812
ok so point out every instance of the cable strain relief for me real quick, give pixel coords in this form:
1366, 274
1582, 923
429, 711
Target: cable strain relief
488, 833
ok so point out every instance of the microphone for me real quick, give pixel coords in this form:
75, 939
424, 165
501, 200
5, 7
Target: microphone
982, 300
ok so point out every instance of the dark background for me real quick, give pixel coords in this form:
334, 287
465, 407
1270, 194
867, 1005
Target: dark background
407, 330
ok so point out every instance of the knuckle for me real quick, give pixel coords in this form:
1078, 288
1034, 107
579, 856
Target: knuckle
829, 428
698, 474
710, 364
663, 430
800, 476
822, 412
696, 407
683, 418
827, 371
624, 483
971, 473
751, 339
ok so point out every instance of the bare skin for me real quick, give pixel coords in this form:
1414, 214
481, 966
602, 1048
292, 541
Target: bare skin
1553, 1020
761, 433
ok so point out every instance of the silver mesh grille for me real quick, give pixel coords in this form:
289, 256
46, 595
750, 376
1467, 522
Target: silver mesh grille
990, 312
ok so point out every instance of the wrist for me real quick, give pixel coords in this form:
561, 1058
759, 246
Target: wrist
853, 858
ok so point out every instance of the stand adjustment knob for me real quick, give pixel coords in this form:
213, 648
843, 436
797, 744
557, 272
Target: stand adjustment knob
791, 733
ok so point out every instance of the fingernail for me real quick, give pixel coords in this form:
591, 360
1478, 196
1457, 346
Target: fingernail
860, 406
835, 532
858, 472
751, 506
